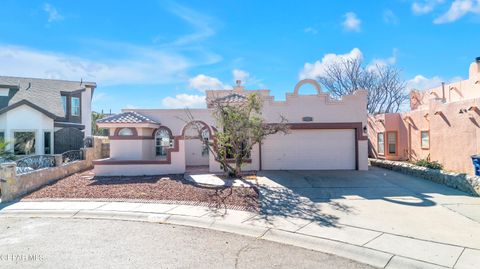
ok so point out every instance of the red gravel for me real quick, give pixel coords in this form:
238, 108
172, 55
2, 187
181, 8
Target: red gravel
173, 188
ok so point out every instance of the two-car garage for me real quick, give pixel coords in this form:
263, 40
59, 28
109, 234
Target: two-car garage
310, 149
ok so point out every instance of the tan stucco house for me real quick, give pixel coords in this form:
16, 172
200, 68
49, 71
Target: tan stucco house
325, 134
443, 124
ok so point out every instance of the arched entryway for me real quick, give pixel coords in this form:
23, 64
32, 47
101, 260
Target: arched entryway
196, 135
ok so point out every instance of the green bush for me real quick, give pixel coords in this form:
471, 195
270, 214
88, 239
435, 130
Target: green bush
429, 164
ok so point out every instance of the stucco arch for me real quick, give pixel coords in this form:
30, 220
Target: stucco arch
302, 82
205, 126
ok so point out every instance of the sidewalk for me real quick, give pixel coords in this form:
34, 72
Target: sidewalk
376, 248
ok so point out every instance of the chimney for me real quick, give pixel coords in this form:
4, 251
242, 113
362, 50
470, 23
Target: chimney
474, 72
443, 92
238, 86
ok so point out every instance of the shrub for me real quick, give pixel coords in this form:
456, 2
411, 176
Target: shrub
429, 164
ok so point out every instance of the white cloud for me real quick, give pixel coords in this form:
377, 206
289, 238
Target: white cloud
98, 96
139, 65
389, 17
420, 82
241, 75
382, 62
425, 6
203, 82
351, 22
184, 100
200, 22
52, 12
123, 63
317, 69
311, 30
458, 9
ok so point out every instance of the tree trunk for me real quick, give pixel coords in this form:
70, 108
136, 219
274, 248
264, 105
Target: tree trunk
238, 167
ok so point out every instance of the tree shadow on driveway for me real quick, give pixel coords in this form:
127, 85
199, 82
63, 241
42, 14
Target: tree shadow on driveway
286, 203
319, 195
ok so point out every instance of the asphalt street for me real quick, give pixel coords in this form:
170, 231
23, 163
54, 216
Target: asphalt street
85, 243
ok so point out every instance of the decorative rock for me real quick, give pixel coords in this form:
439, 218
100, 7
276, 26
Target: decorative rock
460, 181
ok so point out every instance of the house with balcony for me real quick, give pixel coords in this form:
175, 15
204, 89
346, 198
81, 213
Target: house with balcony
44, 116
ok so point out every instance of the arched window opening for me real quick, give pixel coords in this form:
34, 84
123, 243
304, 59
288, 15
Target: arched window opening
125, 132
163, 141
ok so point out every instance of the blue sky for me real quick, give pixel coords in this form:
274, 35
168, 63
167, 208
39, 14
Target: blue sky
163, 54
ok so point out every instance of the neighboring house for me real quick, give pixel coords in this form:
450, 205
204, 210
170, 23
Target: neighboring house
44, 116
325, 134
443, 124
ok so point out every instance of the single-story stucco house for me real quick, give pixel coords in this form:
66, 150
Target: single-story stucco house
325, 134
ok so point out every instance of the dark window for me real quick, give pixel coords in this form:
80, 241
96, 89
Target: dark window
2, 136
243, 148
47, 142
205, 139
24, 143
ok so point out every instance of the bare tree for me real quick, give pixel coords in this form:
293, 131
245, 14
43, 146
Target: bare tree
386, 90
240, 128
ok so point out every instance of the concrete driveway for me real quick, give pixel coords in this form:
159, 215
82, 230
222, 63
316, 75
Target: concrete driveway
378, 209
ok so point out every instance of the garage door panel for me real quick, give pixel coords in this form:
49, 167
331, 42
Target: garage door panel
310, 150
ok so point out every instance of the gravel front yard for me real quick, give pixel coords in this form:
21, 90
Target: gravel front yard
156, 188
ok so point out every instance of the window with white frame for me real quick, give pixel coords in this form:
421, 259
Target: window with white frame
75, 106
392, 143
425, 139
381, 143
163, 141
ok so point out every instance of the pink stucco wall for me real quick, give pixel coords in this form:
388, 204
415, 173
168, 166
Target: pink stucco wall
320, 107
454, 136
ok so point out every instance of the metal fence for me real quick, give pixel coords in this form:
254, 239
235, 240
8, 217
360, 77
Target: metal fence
35, 162
71, 156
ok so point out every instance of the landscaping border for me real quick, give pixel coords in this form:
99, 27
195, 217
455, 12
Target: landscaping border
459, 181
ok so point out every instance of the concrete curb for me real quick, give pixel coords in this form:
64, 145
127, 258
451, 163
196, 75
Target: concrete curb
356, 253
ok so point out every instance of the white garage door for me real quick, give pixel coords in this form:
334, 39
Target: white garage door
310, 150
